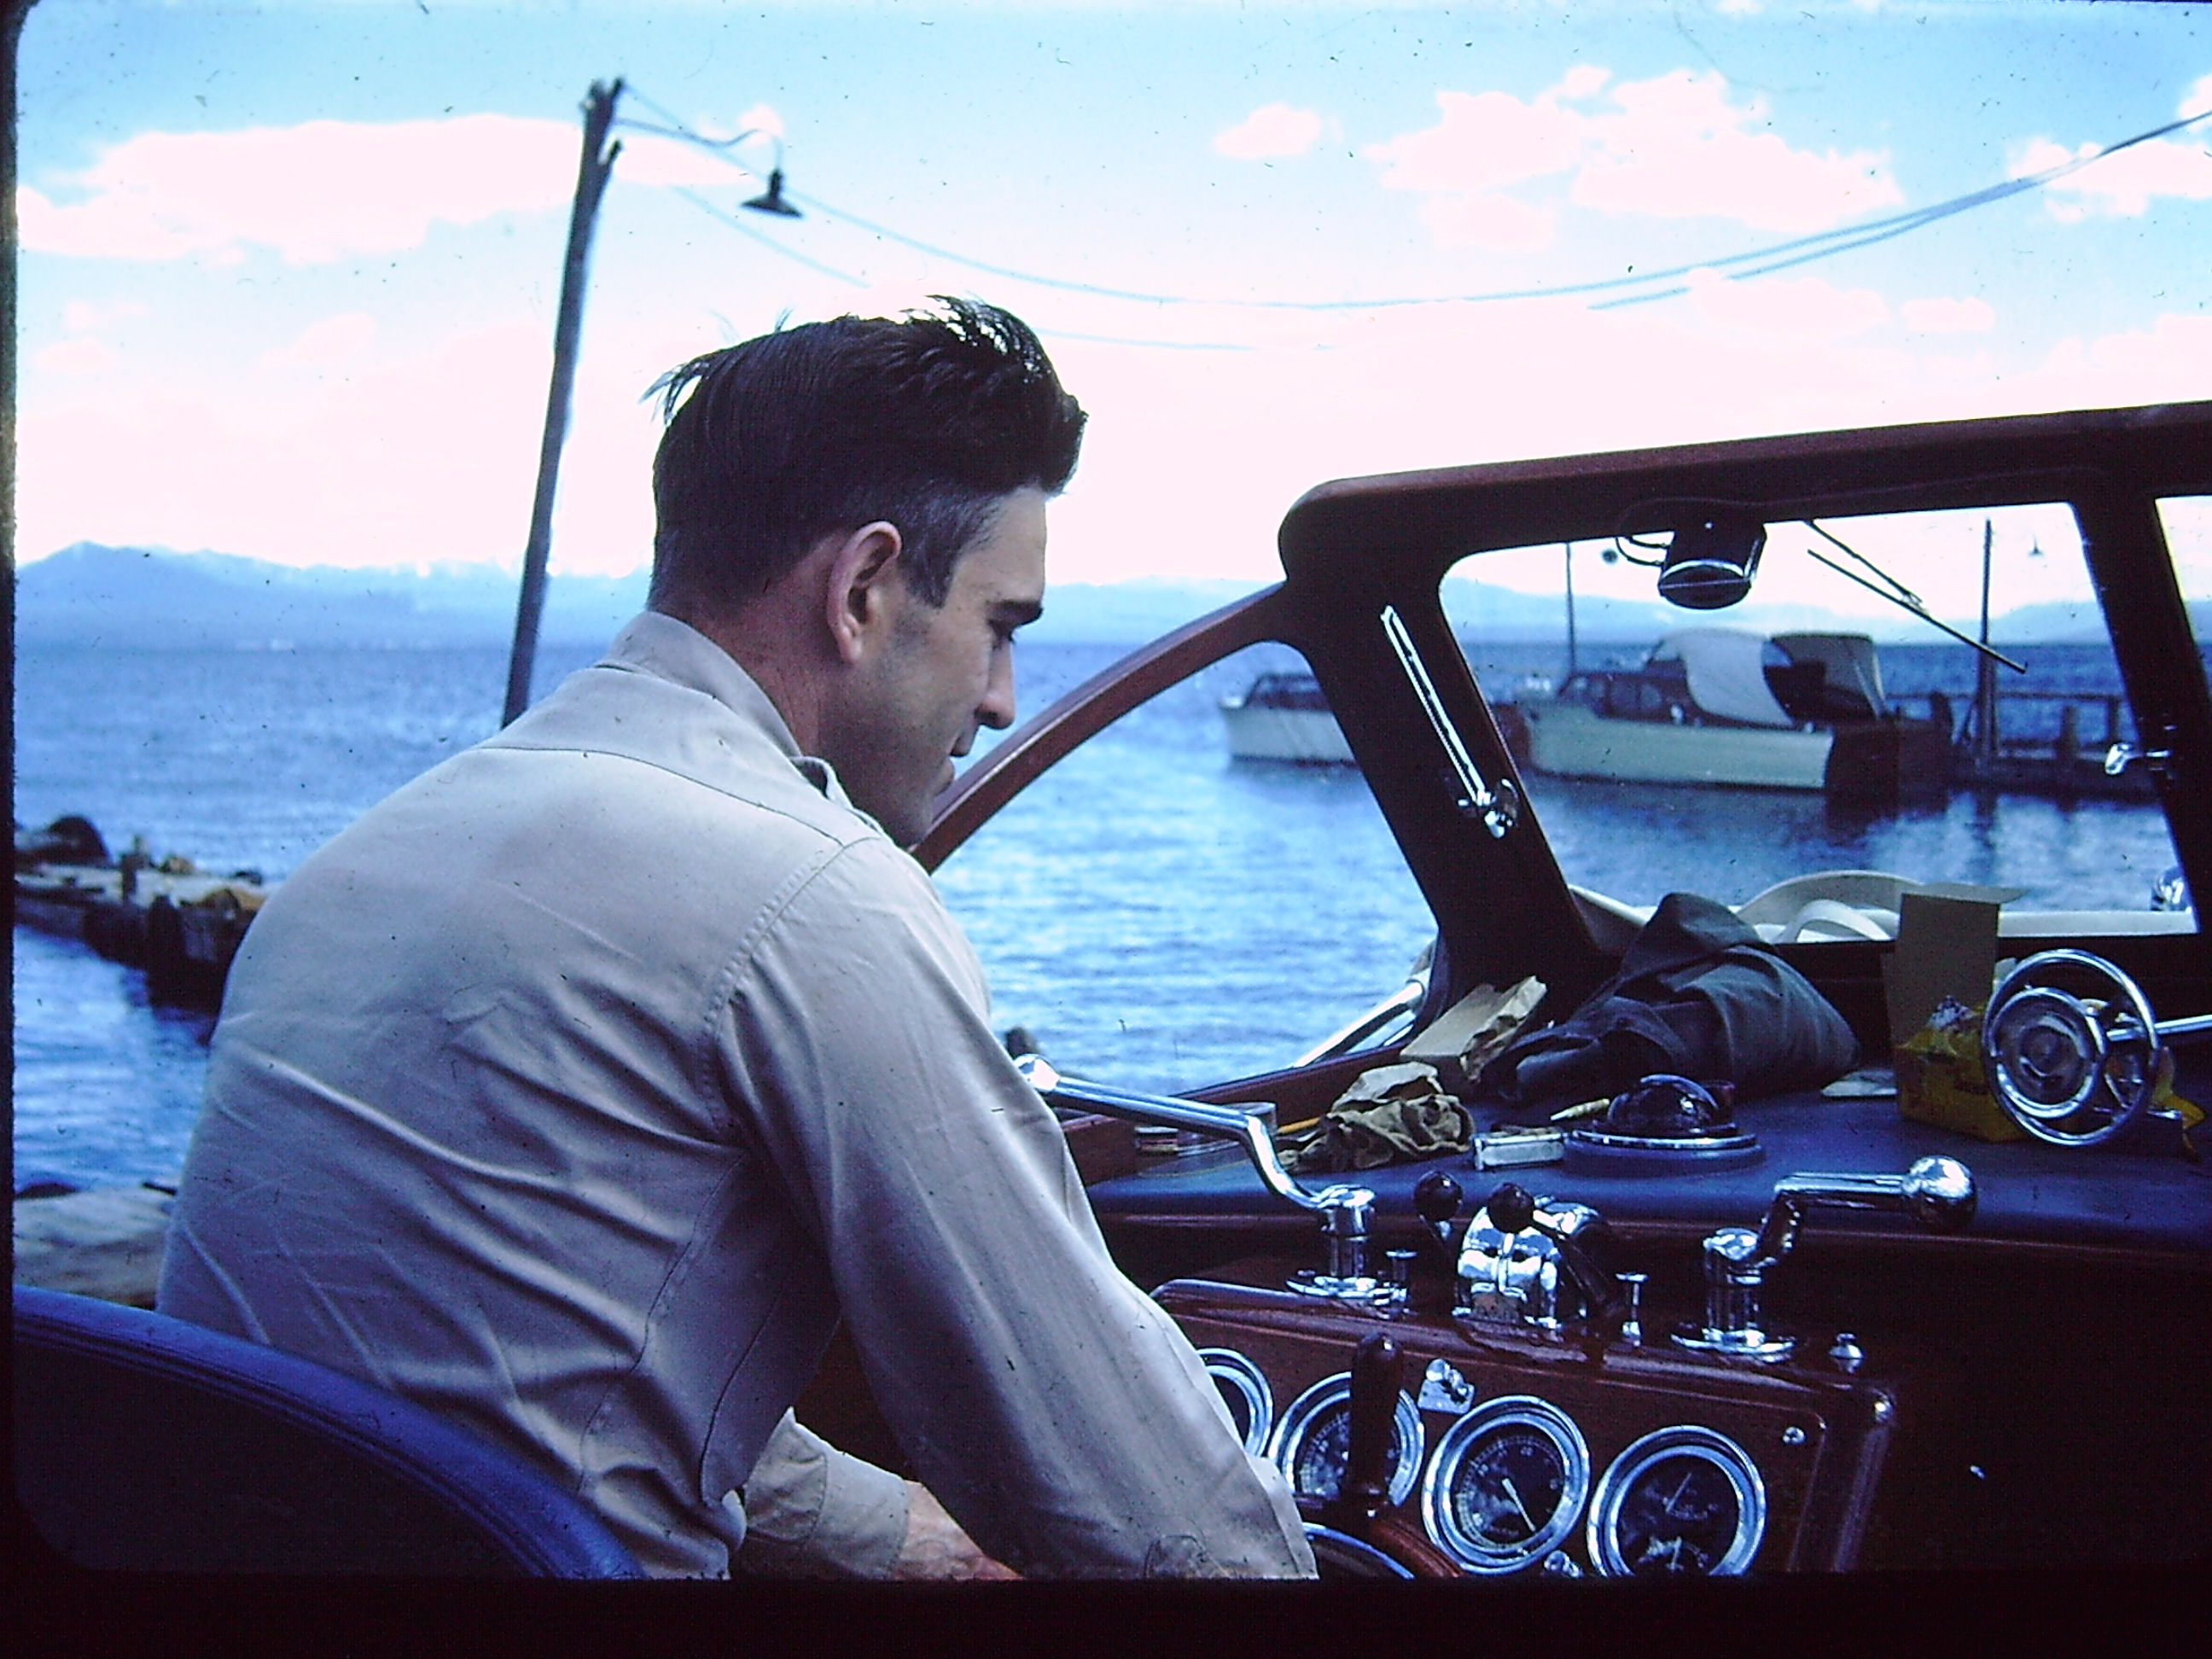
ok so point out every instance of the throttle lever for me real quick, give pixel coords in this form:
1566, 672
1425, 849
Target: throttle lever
1377, 1376
1435, 1276
1936, 1193
1512, 1209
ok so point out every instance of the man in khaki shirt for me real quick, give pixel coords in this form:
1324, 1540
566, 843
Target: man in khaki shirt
582, 1087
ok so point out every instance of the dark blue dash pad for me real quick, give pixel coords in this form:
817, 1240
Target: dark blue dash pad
2143, 1194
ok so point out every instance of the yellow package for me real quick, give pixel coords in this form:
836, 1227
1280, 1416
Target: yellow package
1939, 1079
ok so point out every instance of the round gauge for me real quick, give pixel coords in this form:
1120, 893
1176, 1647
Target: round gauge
1244, 1390
1507, 1486
1313, 1441
1681, 1500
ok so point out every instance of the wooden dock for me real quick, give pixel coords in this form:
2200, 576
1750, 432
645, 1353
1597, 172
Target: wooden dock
179, 924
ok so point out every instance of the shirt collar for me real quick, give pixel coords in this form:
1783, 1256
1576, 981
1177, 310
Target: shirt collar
651, 643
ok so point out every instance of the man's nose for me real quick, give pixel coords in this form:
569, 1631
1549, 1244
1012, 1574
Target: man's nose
997, 708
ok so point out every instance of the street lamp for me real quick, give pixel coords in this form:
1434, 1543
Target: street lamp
770, 200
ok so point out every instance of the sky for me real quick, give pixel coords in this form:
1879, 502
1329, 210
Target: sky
288, 273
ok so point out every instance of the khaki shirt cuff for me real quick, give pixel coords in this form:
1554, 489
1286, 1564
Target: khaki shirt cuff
815, 1511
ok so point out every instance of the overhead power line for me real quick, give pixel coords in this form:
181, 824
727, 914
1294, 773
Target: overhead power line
1733, 267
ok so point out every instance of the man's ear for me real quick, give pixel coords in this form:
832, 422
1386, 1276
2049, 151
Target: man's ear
864, 569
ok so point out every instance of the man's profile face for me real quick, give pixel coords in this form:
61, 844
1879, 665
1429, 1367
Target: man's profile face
947, 670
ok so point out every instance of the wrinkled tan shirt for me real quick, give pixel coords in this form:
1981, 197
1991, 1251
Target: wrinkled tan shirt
578, 1091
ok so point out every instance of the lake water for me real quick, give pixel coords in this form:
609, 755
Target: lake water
1157, 915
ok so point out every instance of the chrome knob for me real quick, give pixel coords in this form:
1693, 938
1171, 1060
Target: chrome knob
1939, 1195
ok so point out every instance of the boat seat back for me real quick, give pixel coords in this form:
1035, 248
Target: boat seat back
144, 1443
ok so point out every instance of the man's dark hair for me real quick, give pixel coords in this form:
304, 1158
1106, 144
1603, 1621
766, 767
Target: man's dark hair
927, 421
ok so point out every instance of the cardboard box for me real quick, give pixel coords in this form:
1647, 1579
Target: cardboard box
1937, 982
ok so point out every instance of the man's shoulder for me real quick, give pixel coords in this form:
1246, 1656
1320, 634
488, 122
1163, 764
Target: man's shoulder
684, 749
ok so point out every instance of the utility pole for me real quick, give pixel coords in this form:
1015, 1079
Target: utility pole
598, 160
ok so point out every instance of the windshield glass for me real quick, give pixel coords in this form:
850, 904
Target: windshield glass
1818, 726
1204, 890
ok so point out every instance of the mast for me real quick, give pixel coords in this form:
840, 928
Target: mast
1985, 670
598, 160
1568, 548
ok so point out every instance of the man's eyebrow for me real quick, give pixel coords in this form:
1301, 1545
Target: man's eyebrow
1019, 613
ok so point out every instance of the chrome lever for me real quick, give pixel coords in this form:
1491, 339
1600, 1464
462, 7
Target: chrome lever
1345, 1210
1937, 1193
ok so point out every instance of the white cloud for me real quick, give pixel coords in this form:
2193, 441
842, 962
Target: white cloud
1487, 219
1679, 149
2179, 346
2121, 185
1808, 308
761, 118
327, 344
2197, 101
80, 357
1271, 130
427, 457
325, 190
1946, 316
647, 160
1673, 146
1484, 140
89, 317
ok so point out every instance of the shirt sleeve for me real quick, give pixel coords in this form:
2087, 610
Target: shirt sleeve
813, 1511
1058, 1412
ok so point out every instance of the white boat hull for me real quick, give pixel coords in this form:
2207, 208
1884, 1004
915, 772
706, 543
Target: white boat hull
1567, 741
1302, 736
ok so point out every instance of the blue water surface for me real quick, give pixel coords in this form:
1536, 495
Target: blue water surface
1155, 913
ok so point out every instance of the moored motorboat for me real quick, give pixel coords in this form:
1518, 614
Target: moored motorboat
1729, 706
1284, 717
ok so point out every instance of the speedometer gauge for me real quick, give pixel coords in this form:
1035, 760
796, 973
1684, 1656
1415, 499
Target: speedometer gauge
1312, 1442
1507, 1486
1684, 1500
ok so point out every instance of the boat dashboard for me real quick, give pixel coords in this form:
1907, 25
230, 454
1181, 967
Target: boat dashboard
1982, 1397
1766, 1363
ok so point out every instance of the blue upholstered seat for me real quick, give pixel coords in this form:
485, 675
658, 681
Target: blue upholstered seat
145, 1443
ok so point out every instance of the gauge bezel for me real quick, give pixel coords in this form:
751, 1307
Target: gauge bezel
1289, 1439
1227, 1366
1360, 1559
1682, 1439
1522, 1411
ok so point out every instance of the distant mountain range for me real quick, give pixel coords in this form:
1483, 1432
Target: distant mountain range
149, 598
140, 598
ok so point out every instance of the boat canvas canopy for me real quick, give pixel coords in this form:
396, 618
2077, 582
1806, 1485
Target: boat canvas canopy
1727, 672
1850, 660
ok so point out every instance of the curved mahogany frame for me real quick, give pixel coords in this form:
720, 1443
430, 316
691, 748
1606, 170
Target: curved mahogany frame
1092, 707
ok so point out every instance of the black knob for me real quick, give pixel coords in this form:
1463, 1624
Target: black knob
1511, 1209
1436, 1198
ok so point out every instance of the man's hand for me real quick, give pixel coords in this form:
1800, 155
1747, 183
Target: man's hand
935, 1546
